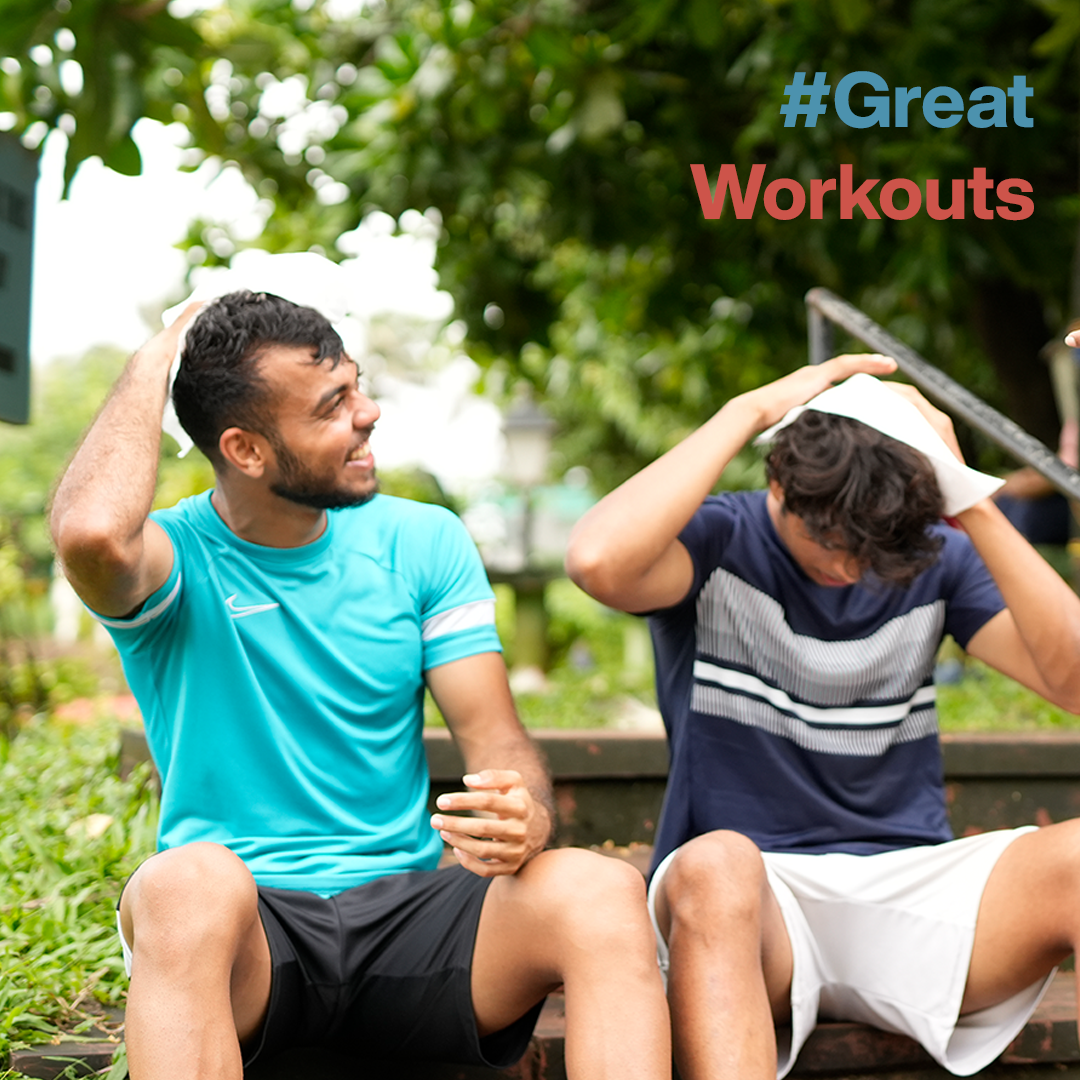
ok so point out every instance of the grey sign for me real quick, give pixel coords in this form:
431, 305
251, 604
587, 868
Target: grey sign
18, 175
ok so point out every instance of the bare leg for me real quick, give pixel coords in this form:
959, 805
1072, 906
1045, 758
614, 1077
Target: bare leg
200, 976
729, 980
579, 919
1029, 917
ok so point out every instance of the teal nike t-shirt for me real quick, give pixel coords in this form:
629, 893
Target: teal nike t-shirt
282, 688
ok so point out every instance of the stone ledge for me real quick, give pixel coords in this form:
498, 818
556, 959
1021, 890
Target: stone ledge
1048, 1038
625, 755
609, 785
51, 1060
1047, 1045
1011, 754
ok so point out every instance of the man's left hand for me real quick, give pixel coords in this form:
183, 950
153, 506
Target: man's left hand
940, 421
513, 827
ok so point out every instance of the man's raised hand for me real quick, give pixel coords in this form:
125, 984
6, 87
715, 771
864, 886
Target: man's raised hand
941, 422
773, 400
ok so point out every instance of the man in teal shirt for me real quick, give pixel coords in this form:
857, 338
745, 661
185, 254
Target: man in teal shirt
278, 633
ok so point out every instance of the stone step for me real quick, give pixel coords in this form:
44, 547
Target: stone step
53, 1059
609, 784
1048, 1039
1047, 1047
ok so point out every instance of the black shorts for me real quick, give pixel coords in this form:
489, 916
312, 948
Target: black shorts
383, 969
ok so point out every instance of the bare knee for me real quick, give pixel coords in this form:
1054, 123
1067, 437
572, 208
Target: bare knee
715, 878
1039, 875
1064, 860
188, 899
592, 887
590, 903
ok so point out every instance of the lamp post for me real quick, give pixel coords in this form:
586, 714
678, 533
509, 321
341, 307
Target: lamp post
527, 432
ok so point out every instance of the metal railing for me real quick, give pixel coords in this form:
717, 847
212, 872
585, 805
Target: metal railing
824, 309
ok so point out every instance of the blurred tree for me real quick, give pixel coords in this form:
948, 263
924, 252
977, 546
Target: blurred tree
556, 138
68, 394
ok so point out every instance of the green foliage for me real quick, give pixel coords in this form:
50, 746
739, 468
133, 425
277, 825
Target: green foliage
599, 634
417, 484
67, 394
573, 700
29, 684
21, 687
122, 50
556, 140
118, 1070
571, 206
179, 478
985, 700
73, 833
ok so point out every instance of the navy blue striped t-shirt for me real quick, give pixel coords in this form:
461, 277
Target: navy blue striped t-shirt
803, 715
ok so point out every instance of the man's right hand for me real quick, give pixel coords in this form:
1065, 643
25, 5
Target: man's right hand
163, 345
773, 400
513, 826
170, 335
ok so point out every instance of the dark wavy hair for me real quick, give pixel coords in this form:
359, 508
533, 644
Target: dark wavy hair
859, 490
218, 385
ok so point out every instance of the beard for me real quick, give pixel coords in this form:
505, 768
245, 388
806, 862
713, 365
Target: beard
300, 484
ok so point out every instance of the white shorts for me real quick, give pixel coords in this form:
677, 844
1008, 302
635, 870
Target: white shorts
886, 940
126, 948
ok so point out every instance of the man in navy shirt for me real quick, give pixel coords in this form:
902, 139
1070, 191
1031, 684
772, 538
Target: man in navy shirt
804, 864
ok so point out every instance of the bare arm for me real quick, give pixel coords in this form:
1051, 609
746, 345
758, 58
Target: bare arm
111, 553
625, 551
507, 779
1036, 639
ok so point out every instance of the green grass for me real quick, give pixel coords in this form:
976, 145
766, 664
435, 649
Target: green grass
60, 878
599, 657
985, 700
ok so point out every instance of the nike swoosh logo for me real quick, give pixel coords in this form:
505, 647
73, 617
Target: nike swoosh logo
238, 611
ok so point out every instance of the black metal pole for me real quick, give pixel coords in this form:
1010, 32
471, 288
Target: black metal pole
825, 306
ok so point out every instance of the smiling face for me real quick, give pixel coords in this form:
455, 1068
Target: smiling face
320, 431
823, 562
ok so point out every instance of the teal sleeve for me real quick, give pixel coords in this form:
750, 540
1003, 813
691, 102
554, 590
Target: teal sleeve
457, 604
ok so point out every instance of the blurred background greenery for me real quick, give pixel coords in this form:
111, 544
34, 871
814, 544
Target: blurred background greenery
552, 140
555, 140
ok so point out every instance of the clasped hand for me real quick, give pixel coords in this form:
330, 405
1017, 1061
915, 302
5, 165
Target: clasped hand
513, 828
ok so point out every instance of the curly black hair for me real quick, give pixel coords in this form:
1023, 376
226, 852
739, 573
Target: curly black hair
219, 385
859, 490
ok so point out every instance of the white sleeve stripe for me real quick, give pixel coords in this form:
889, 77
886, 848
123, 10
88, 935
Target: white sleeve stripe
466, 617
145, 616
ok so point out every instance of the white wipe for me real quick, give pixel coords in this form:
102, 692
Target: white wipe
862, 397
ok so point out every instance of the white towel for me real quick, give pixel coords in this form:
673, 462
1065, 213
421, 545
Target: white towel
862, 397
303, 277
